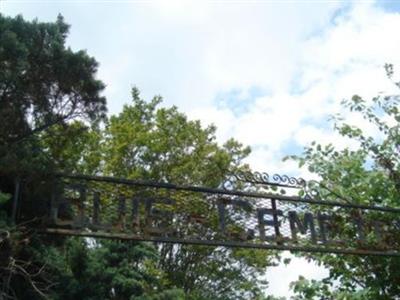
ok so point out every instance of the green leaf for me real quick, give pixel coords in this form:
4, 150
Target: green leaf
4, 198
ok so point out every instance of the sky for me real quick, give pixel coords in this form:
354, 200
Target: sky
268, 73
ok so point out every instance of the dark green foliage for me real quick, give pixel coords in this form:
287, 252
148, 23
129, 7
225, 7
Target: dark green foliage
42, 83
145, 141
86, 269
50, 105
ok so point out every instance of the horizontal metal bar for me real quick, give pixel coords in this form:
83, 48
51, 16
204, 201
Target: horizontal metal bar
232, 244
199, 189
272, 184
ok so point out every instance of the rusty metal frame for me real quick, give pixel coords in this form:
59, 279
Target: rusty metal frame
218, 191
232, 244
281, 181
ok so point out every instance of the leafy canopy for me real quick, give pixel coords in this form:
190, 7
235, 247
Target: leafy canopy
368, 174
42, 83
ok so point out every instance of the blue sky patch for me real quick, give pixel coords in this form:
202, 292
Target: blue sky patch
389, 6
238, 100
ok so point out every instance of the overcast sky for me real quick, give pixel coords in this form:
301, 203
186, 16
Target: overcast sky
268, 73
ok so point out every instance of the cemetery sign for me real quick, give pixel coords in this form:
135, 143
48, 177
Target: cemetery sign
249, 210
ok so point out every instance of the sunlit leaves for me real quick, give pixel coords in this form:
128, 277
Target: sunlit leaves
369, 174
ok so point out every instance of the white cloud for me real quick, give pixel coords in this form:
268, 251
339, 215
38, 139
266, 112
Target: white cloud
280, 277
223, 119
345, 59
190, 52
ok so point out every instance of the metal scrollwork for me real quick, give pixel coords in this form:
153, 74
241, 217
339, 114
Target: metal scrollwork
265, 179
293, 181
256, 177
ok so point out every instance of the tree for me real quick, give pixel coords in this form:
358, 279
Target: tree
147, 142
314, 289
105, 270
51, 103
368, 175
161, 144
42, 83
